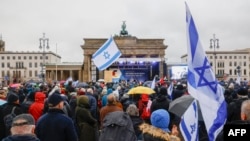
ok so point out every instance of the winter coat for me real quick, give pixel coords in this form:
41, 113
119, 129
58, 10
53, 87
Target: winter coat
160, 102
26, 137
137, 121
36, 109
108, 109
117, 126
92, 104
5, 110
86, 123
55, 126
151, 133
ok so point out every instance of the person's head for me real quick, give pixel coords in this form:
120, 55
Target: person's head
245, 110
12, 98
90, 90
55, 101
242, 93
132, 110
23, 124
111, 99
82, 101
160, 118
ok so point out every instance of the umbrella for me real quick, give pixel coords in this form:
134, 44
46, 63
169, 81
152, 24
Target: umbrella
180, 105
15, 85
141, 90
82, 85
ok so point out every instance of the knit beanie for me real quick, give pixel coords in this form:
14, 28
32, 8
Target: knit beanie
160, 119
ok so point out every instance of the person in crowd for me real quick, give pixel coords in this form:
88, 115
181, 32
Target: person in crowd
36, 109
11, 105
104, 98
2, 94
234, 107
23, 129
133, 112
179, 91
55, 125
159, 128
86, 123
110, 107
117, 126
29, 100
92, 102
161, 101
244, 118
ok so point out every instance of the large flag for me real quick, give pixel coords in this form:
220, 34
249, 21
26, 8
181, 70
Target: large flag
189, 123
106, 55
202, 83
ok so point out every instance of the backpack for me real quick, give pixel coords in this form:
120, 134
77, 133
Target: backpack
9, 118
117, 126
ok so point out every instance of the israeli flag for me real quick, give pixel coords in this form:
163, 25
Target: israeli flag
153, 84
202, 83
189, 123
106, 55
170, 89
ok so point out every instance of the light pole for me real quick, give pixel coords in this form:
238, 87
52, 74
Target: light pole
238, 70
43, 41
214, 43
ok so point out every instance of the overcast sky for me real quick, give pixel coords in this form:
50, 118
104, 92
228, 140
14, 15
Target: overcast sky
67, 22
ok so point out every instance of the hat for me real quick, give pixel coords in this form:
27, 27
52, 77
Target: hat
82, 101
12, 97
23, 119
54, 99
242, 91
163, 91
160, 119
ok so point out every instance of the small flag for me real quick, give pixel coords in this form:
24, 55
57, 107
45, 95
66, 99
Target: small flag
170, 89
153, 84
106, 55
202, 83
189, 123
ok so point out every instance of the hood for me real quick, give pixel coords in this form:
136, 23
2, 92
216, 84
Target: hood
40, 97
157, 132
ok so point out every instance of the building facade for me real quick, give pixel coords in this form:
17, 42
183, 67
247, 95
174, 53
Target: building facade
229, 63
19, 66
141, 58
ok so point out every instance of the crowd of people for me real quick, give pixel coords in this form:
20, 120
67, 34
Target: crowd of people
104, 111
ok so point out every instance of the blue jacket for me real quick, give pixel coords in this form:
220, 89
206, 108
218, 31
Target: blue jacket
55, 126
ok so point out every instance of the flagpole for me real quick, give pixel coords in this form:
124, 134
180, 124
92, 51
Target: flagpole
56, 62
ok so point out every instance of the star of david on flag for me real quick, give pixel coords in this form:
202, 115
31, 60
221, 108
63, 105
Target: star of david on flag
106, 55
189, 123
202, 83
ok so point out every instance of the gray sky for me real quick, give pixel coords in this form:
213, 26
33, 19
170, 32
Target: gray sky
67, 22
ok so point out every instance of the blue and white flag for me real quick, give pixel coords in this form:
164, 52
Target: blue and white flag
153, 84
106, 55
170, 89
189, 123
202, 83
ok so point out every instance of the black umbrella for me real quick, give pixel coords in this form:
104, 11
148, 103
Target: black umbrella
180, 105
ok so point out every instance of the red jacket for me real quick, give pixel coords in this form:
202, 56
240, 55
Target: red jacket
36, 109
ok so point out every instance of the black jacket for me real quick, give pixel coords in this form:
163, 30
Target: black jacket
28, 137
